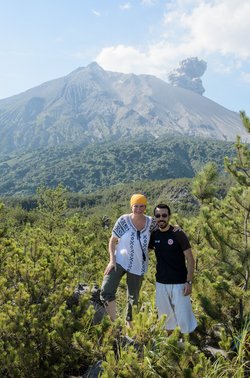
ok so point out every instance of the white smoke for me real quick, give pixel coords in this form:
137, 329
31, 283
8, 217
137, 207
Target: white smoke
188, 74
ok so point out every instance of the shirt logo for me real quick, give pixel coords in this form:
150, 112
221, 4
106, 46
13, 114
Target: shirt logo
170, 241
157, 241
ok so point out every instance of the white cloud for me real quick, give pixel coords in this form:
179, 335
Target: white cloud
128, 59
220, 26
202, 28
228, 67
122, 58
158, 60
125, 6
96, 13
148, 2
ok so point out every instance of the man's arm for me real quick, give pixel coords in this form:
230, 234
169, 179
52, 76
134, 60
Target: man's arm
190, 270
112, 262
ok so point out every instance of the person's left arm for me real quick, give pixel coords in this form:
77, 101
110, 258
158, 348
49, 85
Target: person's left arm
190, 270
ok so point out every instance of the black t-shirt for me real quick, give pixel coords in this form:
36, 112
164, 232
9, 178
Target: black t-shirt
169, 247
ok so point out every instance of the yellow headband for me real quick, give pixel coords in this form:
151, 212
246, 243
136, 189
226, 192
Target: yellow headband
137, 199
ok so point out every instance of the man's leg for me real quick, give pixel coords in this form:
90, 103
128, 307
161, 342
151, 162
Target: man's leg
165, 306
183, 310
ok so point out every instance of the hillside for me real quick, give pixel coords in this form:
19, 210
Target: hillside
50, 253
86, 168
53, 255
93, 105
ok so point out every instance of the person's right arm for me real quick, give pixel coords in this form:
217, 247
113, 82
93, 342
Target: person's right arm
112, 262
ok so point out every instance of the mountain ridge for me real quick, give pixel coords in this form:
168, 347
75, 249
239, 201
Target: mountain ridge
100, 165
91, 105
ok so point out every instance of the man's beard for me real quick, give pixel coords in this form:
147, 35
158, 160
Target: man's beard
162, 224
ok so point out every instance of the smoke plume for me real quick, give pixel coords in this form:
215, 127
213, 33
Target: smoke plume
188, 74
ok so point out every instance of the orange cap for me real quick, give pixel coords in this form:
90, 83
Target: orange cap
138, 199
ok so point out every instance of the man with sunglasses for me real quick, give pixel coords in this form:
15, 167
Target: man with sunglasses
174, 273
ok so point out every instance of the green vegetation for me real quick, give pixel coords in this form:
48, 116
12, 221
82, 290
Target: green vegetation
101, 165
59, 239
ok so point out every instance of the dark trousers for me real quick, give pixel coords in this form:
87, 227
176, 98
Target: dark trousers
111, 282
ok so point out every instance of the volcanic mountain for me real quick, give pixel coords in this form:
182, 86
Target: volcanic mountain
91, 104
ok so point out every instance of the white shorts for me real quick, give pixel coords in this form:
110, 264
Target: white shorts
170, 301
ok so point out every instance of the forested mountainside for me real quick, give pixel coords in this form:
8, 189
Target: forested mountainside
91, 104
87, 168
48, 326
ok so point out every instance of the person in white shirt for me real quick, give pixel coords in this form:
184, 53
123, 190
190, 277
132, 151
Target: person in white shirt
128, 250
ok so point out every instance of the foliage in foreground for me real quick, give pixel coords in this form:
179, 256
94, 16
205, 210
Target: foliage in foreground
45, 252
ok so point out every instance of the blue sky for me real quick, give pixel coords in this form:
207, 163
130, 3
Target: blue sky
46, 39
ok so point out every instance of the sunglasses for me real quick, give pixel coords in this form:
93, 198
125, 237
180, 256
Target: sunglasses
164, 215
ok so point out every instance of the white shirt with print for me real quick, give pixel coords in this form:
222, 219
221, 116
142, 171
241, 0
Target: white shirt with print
132, 244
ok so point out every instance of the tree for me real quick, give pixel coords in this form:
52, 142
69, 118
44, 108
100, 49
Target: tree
240, 169
226, 230
52, 205
204, 186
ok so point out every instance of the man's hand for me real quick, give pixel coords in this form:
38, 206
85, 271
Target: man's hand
187, 289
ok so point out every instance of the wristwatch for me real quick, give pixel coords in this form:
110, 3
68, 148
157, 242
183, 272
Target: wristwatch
189, 282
